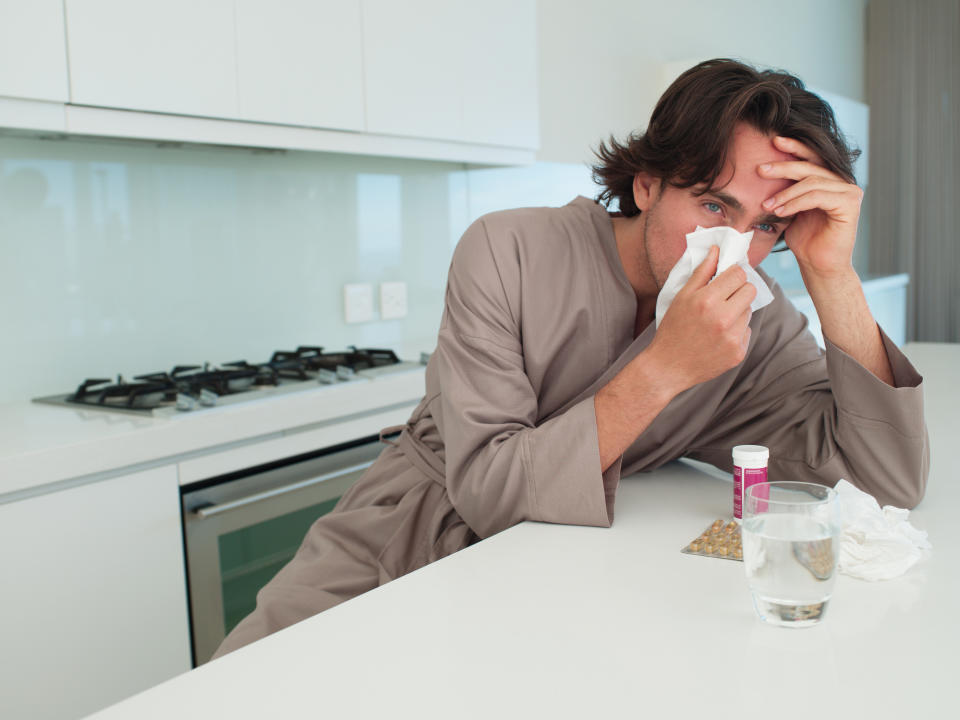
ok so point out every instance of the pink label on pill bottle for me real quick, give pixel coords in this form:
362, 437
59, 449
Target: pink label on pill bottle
749, 469
744, 478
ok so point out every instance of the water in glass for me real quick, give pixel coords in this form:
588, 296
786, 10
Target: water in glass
790, 547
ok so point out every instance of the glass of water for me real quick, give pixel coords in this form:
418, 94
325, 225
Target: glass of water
791, 534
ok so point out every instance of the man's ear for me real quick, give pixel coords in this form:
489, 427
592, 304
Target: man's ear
646, 189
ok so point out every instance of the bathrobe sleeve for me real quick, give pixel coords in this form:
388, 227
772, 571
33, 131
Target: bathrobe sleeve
822, 414
503, 465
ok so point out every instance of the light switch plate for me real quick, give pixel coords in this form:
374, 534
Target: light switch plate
393, 300
358, 302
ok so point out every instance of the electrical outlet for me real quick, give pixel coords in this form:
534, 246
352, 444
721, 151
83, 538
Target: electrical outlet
358, 303
393, 300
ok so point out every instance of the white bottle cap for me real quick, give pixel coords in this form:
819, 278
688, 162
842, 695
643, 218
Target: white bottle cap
750, 456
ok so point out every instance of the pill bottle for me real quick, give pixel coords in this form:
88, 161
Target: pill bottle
749, 468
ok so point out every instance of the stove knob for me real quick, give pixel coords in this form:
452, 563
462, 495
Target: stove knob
186, 402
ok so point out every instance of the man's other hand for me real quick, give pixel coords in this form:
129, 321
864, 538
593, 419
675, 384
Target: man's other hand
826, 209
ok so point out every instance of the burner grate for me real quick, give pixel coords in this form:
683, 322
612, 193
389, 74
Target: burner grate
187, 386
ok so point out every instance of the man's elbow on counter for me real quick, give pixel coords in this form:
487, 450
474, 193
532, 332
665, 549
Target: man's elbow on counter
908, 490
905, 481
919, 487
908, 497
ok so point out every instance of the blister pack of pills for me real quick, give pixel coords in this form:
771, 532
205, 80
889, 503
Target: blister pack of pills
721, 539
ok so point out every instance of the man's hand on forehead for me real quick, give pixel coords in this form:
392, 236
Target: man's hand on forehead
826, 209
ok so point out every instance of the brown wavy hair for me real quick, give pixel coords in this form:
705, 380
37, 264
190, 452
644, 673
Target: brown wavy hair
688, 137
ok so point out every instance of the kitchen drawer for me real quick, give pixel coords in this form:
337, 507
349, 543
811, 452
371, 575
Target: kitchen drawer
292, 443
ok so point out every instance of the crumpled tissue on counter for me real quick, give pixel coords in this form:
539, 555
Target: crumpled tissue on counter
876, 543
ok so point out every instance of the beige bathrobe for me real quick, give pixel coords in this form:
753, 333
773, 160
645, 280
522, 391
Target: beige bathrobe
539, 315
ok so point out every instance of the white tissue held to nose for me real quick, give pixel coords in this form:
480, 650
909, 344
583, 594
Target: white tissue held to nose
733, 251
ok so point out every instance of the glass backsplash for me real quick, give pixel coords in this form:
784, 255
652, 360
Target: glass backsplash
123, 257
132, 257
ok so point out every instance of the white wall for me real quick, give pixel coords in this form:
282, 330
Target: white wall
600, 61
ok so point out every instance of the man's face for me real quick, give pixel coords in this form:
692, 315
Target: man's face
734, 199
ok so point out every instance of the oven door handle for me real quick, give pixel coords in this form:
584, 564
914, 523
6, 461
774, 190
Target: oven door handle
211, 510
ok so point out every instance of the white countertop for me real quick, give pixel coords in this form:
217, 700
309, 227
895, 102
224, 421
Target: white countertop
44, 444
559, 621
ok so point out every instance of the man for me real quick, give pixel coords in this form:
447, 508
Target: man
550, 378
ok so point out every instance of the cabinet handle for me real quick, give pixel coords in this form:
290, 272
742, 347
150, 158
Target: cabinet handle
206, 512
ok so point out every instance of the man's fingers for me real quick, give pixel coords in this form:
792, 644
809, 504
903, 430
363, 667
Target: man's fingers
740, 300
728, 282
704, 271
835, 204
796, 170
804, 186
795, 147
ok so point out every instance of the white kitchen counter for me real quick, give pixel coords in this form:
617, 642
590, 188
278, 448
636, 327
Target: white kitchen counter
559, 621
42, 444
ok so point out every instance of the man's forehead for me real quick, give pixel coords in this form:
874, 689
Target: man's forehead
739, 180
748, 143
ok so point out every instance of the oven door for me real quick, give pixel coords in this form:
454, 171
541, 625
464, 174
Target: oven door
240, 529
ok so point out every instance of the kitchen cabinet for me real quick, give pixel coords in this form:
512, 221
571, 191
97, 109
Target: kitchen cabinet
178, 56
500, 98
94, 595
430, 79
33, 61
412, 67
299, 62
452, 70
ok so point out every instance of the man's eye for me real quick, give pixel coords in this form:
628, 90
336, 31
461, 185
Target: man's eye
767, 228
713, 207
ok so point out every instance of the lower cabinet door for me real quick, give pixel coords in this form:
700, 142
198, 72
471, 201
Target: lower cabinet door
93, 595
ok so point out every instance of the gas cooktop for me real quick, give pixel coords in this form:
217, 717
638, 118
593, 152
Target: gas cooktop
191, 387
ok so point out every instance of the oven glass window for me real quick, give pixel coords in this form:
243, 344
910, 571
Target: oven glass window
251, 556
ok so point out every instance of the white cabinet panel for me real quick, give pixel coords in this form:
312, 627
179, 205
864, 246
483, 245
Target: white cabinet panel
413, 67
299, 62
94, 596
178, 56
33, 61
500, 74
452, 70
886, 297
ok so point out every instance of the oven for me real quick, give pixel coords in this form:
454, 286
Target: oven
241, 528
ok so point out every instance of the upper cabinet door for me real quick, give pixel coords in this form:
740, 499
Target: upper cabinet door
33, 63
176, 56
299, 62
452, 69
500, 98
413, 66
